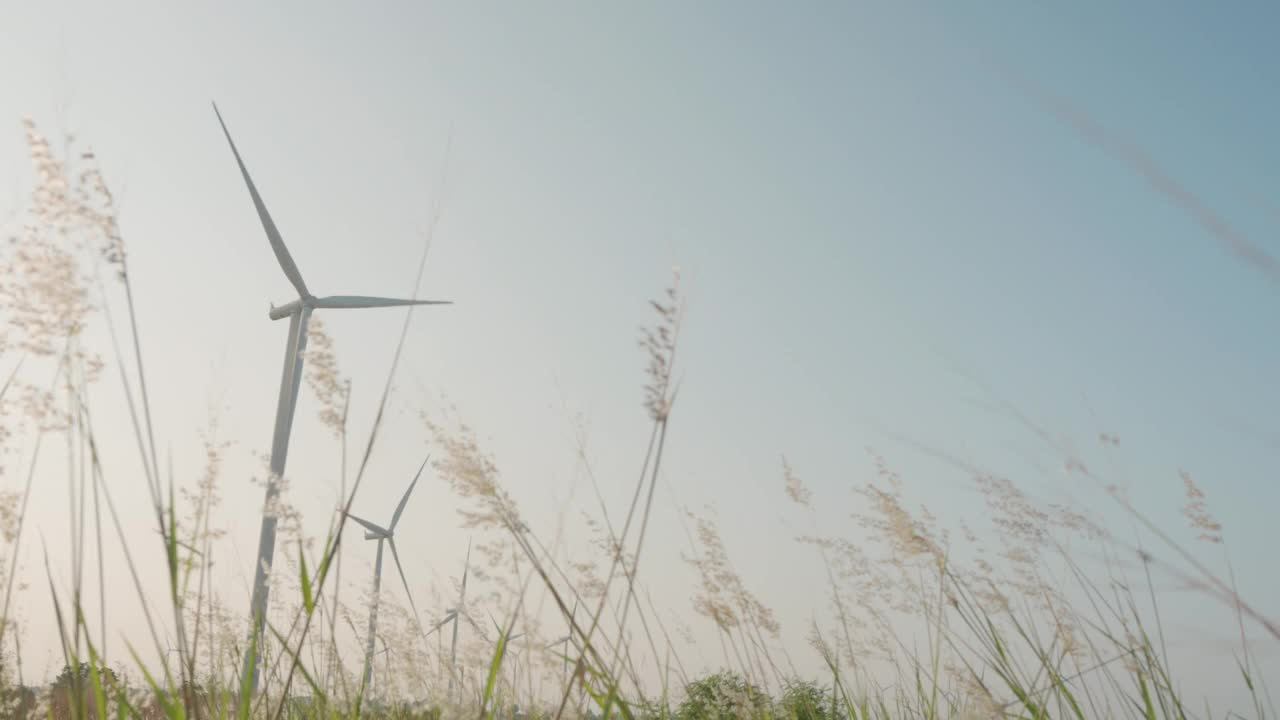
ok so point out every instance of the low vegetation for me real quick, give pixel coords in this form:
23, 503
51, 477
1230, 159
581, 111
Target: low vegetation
1051, 615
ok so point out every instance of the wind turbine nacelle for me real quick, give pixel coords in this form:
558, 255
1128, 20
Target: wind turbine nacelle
286, 310
371, 535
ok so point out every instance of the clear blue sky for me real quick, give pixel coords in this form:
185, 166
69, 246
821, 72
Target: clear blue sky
868, 216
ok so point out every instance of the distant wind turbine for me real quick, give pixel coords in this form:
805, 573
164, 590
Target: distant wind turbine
452, 615
564, 642
387, 535
514, 652
508, 649
298, 312
509, 638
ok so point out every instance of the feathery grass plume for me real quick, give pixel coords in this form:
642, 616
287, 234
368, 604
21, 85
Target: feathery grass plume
286, 513
205, 496
609, 545
323, 376
6, 416
724, 597
907, 536
659, 343
472, 474
796, 489
588, 582
97, 209
9, 515
1197, 511
42, 287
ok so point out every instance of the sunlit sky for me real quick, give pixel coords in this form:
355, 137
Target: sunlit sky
881, 237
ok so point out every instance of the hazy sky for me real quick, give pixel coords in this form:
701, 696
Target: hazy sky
873, 224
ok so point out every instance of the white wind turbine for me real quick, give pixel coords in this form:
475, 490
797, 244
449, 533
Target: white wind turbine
387, 535
298, 312
451, 615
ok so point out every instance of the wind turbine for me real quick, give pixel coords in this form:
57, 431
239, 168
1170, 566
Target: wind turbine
298, 312
564, 642
452, 615
387, 535
515, 653
509, 649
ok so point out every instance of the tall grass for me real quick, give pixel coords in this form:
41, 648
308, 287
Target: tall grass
918, 623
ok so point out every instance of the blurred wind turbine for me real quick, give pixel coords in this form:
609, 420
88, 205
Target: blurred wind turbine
452, 615
387, 534
514, 653
510, 638
564, 642
298, 312
564, 653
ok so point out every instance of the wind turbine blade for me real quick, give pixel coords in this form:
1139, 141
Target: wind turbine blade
444, 621
466, 567
395, 555
273, 235
501, 631
462, 600
474, 624
453, 644
368, 525
361, 301
404, 500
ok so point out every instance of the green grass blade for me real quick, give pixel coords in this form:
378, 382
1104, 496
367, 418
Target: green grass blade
495, 665
307, 601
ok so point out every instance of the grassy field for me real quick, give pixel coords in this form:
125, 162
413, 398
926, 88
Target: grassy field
919, 623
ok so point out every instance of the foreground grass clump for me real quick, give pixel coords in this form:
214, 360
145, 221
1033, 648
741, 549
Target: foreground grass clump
914, 622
